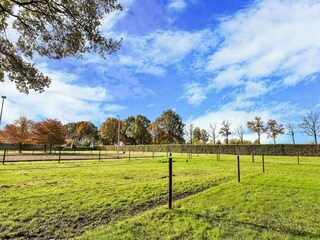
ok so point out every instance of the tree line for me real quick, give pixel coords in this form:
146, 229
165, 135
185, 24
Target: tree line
166, 129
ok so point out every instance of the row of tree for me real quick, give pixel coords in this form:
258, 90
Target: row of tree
166, 129
25, 131
310, 126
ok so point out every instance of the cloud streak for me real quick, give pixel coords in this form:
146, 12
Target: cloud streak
272, 38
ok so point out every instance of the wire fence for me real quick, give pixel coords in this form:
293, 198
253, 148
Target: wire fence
31, 156
182, 169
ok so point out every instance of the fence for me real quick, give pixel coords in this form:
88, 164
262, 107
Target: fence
268, 149
37, 156
166, 172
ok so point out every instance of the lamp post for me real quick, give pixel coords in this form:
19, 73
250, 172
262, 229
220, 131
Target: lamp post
3, 98
118, 135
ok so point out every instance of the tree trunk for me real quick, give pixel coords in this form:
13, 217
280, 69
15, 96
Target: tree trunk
315, 138
293, 139
258, 138
20, 147
50, 146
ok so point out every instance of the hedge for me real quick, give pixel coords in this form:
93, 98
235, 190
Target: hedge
268, 149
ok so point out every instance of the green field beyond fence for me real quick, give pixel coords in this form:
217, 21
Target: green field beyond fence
128, 198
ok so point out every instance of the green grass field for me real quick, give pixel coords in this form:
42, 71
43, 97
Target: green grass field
127, 199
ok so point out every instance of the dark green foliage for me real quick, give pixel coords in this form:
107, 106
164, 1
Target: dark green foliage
54, 29
171, 127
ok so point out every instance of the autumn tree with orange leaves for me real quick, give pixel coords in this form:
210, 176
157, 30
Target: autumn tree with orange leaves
49, 132
87, 133
20, 132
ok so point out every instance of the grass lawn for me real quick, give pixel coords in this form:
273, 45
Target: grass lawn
126, 199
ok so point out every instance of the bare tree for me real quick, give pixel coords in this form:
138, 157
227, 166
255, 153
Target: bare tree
212, 132
274, 129
239, 132
256, 126
311, 125
291, 131
225, 130
188, 131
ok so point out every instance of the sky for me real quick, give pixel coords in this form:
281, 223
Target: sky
208, 60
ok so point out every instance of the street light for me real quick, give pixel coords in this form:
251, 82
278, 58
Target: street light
3, 98
118, 135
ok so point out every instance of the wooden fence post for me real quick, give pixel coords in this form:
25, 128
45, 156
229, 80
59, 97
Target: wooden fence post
59, 156
262, 162
298, 158
238, 159
4, 156
170, 182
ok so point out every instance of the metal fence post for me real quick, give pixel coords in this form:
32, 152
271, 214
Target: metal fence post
238, 159
170, 182
59, 156
4, 156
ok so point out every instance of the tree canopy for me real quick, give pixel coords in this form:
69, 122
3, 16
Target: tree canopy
171, 126
52, 28
50, 131
225, 130
20, 132
256, 126
274, 129
109, 130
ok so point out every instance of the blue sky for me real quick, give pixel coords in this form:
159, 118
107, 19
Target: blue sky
208, 60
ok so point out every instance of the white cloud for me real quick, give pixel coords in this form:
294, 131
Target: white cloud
194, 93
177, 5
110, 20
255, 89
230, 112
63, 100
165, 48
154, 53
151, 105
113, 107
271, 39
230, 77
